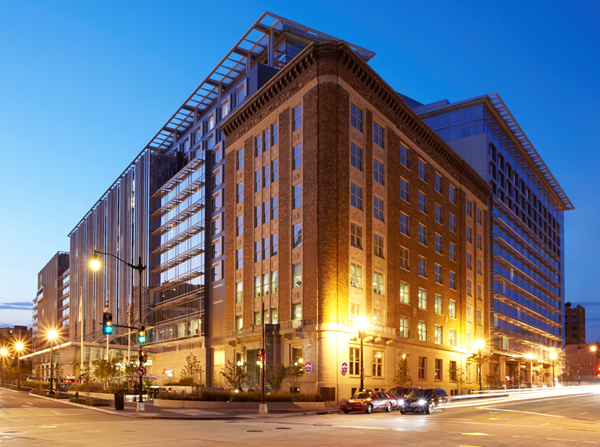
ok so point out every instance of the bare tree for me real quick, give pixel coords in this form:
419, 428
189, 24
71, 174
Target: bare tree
275, 376
192, 371
234, 375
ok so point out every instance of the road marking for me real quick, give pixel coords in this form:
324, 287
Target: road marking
585, 412
56, 412
526, 412
541, 425
476, 434
29, 403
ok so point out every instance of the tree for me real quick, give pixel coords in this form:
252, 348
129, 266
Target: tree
457, 377
234, 375
192, 372
493, 378
129, 371
403, 374
293, 374
275, 376
106, 370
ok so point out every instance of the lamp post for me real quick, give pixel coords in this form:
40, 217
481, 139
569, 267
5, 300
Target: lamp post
553, 358
52, 334
4, 353
361, 323
479, 347
19, 347
95, 265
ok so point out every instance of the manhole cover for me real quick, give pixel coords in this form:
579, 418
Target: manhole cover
254, 431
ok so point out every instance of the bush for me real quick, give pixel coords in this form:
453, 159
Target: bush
95, 387
44, 393
91, 402
226, 396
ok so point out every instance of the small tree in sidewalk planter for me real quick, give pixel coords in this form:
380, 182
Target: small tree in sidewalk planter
274, 377
403, 377
293, 374
235, 375
191, 374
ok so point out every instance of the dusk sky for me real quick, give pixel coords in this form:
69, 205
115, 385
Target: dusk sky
84, 86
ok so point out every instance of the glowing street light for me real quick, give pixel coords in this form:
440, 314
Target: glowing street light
4, 353
362, 324
553, 358
19, 347
479, 346
52, 335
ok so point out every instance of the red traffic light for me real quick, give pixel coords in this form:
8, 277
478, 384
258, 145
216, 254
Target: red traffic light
261, 355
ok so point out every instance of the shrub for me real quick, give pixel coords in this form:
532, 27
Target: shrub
226, 396
91, 402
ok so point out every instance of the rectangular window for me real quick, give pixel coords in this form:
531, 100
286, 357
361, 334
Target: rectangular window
239, 261
438, 243
378, 319
422, 234
297, 161
469, 234
403, 155
239, 193
404, 223
266, 176
404, 299
274, 133
266, 285
356, 116
266, 210
438, 362
257, 287
378, 208
257, 145
469, 211
404, 258
274, 283
438, 213
266, 140
469, 261
469, 314
452, 309
469, 291
274, 207
239, 95
479, 243
378, 171
422, 367
422, 202
297, 118
239, 230
378, 283
257, 250
238, 325
438, 182
266, 249
422, 331
297, 312
422, 267
438, 304
296, 275
240, 159
438, 273
452, 194
478, 216
275, 170
239, 292
377, 364
355, 195
377, 134
439, 336
468, 370
422, 294
404, 190
403, 327
356, 156
378, 245
479, 318
453, 341
479, 292
452, 281
297, 192
356, 275
452, 220
354, 362
452, 252
257, 181
297, 236
422, 170
356, 235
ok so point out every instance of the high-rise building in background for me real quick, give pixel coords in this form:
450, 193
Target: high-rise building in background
575, 325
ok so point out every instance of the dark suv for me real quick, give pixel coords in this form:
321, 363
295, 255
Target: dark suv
400, 392
424, 400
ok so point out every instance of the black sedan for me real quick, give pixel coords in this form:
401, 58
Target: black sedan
424, 401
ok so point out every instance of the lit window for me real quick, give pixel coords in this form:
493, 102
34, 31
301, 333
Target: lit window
378, 283
356, 235
439, 340
257, 287
403, 327
297, 275
422, 330
354, 362
356, 275
239, 292
422, 294
453, 341
404, 298
452, 309
438, 304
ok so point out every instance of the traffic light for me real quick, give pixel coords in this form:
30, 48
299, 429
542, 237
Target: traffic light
143, 356
142, 335
107, 325
261, 355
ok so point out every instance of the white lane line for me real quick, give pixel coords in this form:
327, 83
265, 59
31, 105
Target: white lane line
531, 412
541, 425
585, 412
29, 403
55, 412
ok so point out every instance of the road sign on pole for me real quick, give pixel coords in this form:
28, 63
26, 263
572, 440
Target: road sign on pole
308, 367
141, 371
344, 368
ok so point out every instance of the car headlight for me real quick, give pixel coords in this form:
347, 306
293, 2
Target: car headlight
422, 402
401, 402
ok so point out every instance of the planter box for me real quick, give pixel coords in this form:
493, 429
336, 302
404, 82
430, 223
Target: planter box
213, 405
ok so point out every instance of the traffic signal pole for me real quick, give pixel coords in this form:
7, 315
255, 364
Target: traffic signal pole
264, 359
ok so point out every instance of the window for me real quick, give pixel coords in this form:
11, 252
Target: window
479, 292
478, 216
452, 309
452, 220
422, 331
452, 281
274, 170
225, 108
422, 170
422, 367
378, 171
257, 145
239, 292
274, 207
479, 319
377, 134
378, 319
266, 140
240, 159
404, 258
469, 234
297, 312
239, 230
438, 182
438, 213
355, 195
438, 273
239, 260
452, 194
266, 176
297, 118
479, 243
452, 252
404, 292
422, 234
297, 275
422, 294
404, 189
274, 133
468, 370
377, 364
257, 250
404, 223
378, 284
266, 288
356, 116
356, 275
274, 244
469, 291
438, 304
469, 261
422, 202
257, 287
438, 362
439, 336
469, 314
452, 364
403, 327
266, 210
356, 156
356, 235
297, 161
422, 266
297, 192
240, 192
378, 245
378, 208
404, 155
469, 211
453, 341
297, 235
238, 325
438, 243
257, 181
216, 225
354, 363
239, 95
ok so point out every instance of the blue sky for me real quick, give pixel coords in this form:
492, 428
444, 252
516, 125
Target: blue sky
85, 85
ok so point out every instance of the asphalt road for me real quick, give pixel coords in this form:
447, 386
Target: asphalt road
557, 421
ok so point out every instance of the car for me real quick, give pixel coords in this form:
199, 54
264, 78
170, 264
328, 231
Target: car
400, 392
368, 401
424, 401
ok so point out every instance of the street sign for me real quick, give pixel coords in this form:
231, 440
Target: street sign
308, 367
344, 368
141, 370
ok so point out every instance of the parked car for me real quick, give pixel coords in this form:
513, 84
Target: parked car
368, 401
424, 400
400, 392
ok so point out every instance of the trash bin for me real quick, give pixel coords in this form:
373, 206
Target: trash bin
119, 401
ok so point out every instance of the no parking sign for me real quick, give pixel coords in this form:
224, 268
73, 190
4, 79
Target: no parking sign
344, 368
308, 367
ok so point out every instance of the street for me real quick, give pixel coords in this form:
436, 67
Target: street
566, 420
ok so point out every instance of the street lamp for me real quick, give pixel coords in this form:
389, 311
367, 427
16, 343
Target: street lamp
479, 347
4, 353
361, 323
529, 356
553, 358
52, 334
19, 347
95, 265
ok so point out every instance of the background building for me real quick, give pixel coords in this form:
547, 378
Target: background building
575, 325
11, 335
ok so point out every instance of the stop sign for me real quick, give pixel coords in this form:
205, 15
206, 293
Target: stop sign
308, 367
344, 368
